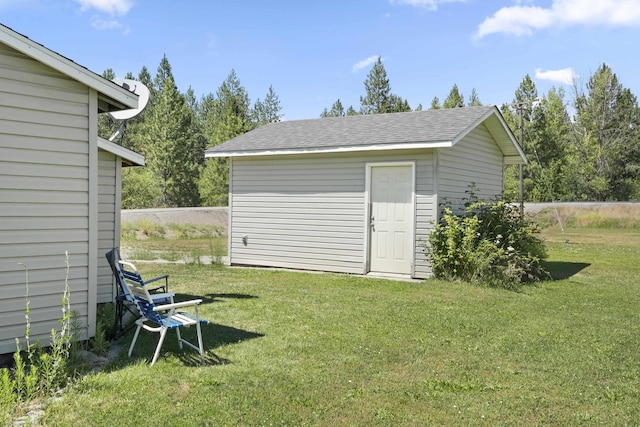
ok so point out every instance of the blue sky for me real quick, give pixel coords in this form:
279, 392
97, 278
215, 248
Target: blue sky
314, 52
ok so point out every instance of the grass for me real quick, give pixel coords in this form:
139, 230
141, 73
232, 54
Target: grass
146, 240
605, 217
289, 348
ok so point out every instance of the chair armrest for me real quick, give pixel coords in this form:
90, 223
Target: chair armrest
192, 302
166, 276
165, 287
162, 295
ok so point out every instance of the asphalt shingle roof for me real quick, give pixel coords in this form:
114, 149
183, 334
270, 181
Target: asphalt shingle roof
429, 126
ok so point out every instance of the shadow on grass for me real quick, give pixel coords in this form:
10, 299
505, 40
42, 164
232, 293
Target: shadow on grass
563, 270
213, 336
209, 298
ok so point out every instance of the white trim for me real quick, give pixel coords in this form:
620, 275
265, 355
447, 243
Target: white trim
513, 140
377, 147
94, 199
58, 62
366, 262
120, 151
117, 219
229, 212
412, 236
514, 160
436, 181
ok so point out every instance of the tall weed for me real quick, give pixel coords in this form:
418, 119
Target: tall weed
38, 372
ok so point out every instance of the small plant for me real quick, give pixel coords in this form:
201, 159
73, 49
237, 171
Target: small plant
489, 243
218, 250
101, 343
38, 372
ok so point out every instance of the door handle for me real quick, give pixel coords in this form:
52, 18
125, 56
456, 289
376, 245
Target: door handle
372, 224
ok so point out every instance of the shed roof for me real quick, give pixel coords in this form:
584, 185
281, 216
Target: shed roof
393, 131
111, 97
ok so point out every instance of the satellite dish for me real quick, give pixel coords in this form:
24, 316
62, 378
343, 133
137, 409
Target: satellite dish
143, 98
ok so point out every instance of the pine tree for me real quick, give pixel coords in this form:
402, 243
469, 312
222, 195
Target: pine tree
455, 99
267, 111
474, 99
607, 136
352, 111
399, 105
547, 150
224, 116
170, 146
337, 110
378, 97
435, 104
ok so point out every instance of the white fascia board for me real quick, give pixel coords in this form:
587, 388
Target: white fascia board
120, 151
66, 66
512, 138
496, 113
359, 148
515, 160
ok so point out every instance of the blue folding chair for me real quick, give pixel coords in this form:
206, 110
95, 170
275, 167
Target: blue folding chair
161, 318
124, 300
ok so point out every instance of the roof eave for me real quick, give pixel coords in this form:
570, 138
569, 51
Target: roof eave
329, 150
114, 96
512, 140
129, 158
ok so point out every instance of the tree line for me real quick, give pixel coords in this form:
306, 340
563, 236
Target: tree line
592, 154
173, 132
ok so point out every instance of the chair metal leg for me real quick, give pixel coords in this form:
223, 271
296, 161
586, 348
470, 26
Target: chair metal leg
200, 346
118, 320
135, 337
179, 338
163, 333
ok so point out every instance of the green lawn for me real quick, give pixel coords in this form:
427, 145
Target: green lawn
289, 348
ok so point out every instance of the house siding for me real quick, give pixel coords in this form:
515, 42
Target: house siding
44, 196
107, 221
477, 160
309, 212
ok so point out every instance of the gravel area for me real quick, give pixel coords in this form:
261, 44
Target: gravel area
195, 216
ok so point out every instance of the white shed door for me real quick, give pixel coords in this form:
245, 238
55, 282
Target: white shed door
391, 219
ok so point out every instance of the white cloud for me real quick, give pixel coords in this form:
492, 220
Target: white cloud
364, 63
108, 24
429, 4
524, 20
114, 7
565, 76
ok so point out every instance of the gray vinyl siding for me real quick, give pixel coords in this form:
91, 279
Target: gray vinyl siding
44, 196
475, 159
308, 212
107, 238
426, 211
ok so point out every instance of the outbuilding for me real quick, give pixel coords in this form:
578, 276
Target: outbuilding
358, 194
59, 188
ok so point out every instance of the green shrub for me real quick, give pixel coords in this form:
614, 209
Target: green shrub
490, 243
